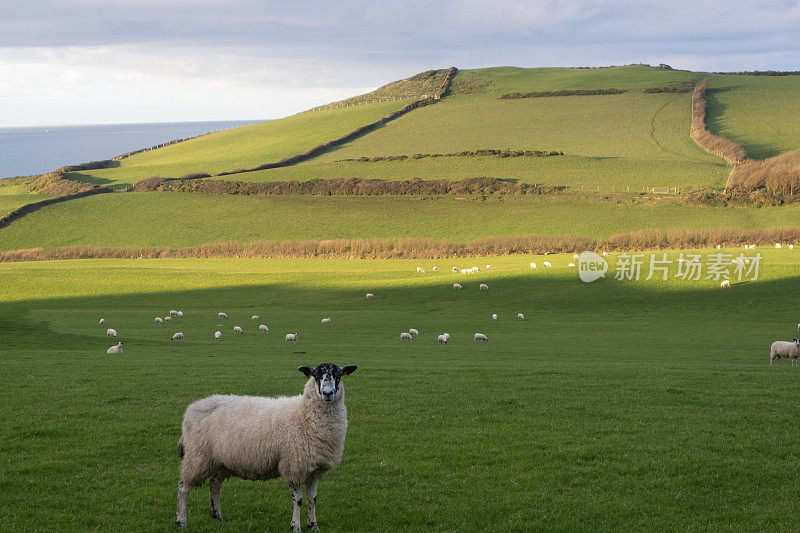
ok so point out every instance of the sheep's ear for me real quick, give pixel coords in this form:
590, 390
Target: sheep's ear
349, 369
305, 370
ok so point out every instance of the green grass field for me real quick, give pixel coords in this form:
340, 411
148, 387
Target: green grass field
613, 406
13, 194
182, 219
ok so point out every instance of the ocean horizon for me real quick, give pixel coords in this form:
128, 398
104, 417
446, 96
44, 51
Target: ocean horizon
30, 150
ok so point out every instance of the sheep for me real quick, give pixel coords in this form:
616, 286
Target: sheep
217, 335
725, 283
237, 329
264, 328
298, 439
494, 316
180, 314
534, 265
405, 335
421, 270
784, 349
158, 320
115, 349
443, 338
547, 264
455, 269
255, 317
798, 327
520, 316
326, 320
777, 245
177, 337
446, 336
167, 319
111, 332
435, 269
222, 315
489, 267
102, 321
291, 337
457, 287
483, 287
413, 331
791, 246
480, 337
370, 296
173, 312
605, 254
571, 265
575, 256
718, 246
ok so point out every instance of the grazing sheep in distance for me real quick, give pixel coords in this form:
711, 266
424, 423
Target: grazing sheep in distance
534, 265
326, 320
457, 286
102, 321
455, 269
484, 287
298, 439
443, 338
405, 335
520, 316
413, 332
575, 256
480, 337
571, 265
111, 332
605, 254
180, 314
167, 319
291, 337
115, 349
435, 269
173, 312
222, 315
784, 349
420, 269
489, 267
177, 337
217, 335
547, 264
791, 246
798, 327
725, 283
264, 328
370, 296
255, 317
777, 245
158, 320
237, 329
494, 316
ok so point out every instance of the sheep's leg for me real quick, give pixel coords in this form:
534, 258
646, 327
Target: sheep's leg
215, 484
297, 500
311, 496
183, 496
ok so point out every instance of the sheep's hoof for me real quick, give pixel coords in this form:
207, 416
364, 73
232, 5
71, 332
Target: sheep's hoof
216, 515
295, 528
181, 523
312, 526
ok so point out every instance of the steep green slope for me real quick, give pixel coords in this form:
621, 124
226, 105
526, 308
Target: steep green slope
182, 219
242, 147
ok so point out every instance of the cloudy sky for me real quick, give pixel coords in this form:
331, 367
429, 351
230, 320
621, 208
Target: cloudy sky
111, 61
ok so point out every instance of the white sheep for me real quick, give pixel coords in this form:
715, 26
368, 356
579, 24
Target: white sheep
435, 269
534, 265
158, 320
443, 338
520, 316
102, 321
725, 283
255, 317
791, 246
457, 287
115, 349
777, 245
298, 439
547, 264
222, 315
326, 320
413, 331
264, 328
605, 254
575, 256
177, 337
180, 314
480, 337
291, 337
405, 335
790, 350
483, 287
173, 312
571, 265
494, 316
217, 335
237, 329
420, 269
798, 327
111, 332
167, 319
370, 296
489, 267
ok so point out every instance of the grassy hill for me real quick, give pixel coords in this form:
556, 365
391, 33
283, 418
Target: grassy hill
13, 193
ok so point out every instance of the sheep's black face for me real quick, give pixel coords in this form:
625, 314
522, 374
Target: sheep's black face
327, 377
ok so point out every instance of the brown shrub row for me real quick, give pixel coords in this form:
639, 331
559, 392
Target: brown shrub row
762, 73
407, 248
346, 186
779, 175
730, 151
563, 92
57, 184
680, 87
465, 153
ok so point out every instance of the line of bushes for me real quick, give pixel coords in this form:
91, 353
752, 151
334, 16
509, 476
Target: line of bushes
347, 187
410, 248
57, 184
563, 92
779, 176
680, 87
465, 153
762, 73
732, 152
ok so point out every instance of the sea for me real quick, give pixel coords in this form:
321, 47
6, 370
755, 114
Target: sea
38, 149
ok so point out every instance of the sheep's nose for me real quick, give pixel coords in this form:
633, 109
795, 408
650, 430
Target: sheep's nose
327, 395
